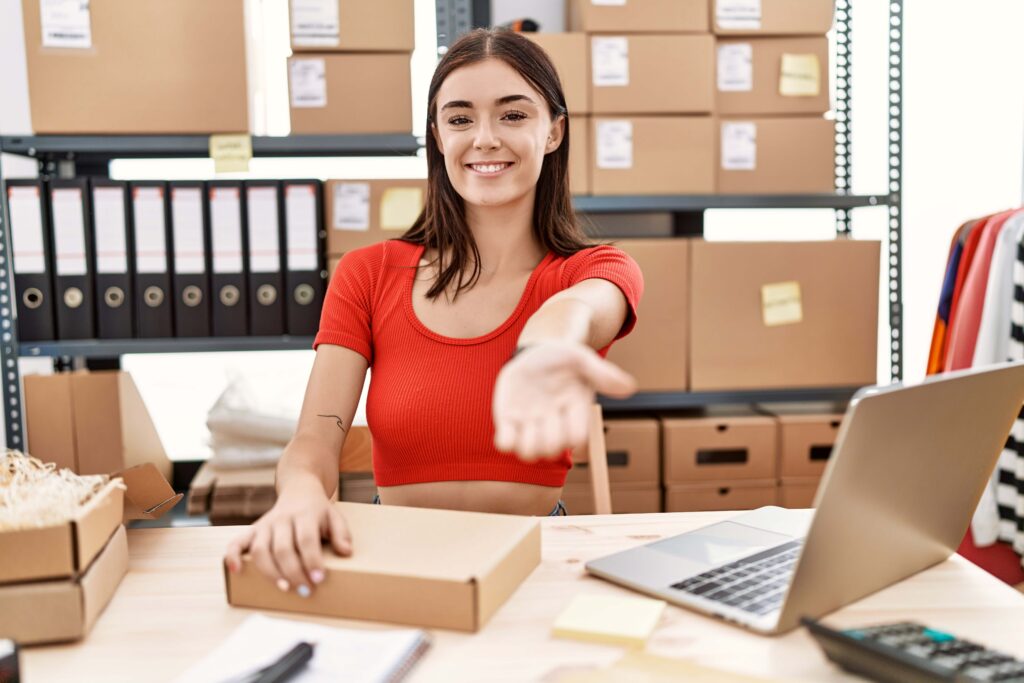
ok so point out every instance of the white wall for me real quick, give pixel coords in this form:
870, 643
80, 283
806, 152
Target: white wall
963, 152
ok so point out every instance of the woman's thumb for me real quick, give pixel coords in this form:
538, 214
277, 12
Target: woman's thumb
606, 377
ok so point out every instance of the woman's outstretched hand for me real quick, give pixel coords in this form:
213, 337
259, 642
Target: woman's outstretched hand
543, 397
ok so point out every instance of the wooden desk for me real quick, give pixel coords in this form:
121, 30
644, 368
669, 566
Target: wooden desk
170, 610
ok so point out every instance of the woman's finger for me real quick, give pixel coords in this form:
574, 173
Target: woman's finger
341, 538
527, 443
233, 554
504, 434
286, 557
606, 377
576, 416
307, 542
552, 435
261, 556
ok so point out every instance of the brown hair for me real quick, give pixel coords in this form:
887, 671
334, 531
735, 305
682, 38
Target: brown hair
442, 224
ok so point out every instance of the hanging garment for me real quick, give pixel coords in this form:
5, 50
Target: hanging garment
966, 260
937, 351
1011, 483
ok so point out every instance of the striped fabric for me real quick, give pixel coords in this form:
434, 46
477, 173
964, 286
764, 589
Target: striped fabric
1010, 488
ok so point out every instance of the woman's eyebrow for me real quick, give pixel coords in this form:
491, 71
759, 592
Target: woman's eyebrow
466, 104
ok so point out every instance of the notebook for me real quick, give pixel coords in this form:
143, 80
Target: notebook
350, 655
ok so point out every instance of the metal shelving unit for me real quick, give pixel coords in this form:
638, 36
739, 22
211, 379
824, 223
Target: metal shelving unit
90, 155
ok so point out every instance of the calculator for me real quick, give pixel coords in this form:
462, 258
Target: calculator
907, 652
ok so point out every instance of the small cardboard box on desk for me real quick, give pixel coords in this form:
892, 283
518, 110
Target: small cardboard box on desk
56, 580
415, 566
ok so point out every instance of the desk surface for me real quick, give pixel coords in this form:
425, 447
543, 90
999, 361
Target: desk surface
170, 610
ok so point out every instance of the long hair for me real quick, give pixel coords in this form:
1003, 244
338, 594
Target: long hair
442, 225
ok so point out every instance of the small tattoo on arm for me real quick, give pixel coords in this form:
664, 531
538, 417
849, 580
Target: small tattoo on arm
337, 420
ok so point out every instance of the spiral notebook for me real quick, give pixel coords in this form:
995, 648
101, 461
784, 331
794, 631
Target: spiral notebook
349, 655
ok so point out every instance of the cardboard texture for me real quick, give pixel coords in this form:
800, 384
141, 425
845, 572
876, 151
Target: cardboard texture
357, 452
777, 17
724, 495
569, 52
667, 74
415, 566
762, 93
656, 352
113, 429
354, 223
379, 26
579, 155
64, 610
788, 155
655, 16
798, 492
62, 550
805, 443
718, 448
236, 494
627, 498
834, 344
633, 449
151, 67
49, 419
656, 145
351, 83
148, 495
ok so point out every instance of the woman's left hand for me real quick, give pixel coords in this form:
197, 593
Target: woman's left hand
543, 397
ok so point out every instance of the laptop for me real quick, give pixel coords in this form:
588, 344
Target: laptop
906, 473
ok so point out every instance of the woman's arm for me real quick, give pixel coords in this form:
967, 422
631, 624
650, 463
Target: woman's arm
285, 543
542, 397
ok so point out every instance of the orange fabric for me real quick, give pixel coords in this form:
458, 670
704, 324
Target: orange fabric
429, 402
937, 350
970, 248
963, 332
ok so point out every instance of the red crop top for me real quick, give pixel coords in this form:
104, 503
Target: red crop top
429, 402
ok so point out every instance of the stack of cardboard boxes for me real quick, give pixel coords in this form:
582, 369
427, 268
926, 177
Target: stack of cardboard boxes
633, 449
691, 97
350, 69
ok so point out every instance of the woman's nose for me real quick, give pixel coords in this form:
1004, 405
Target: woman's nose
485, 137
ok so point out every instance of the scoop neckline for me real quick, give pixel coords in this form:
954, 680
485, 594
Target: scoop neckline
418, 324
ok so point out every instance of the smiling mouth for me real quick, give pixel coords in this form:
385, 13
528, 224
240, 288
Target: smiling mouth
492, 168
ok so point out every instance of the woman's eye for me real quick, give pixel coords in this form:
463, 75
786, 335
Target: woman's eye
514, 116
458, 121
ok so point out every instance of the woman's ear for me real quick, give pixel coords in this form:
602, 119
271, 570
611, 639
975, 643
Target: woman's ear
556, 134
437, 137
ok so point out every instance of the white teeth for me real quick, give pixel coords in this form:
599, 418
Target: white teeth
488, 168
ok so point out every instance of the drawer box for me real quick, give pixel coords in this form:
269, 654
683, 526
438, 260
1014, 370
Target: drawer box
723, 495
634, 453
798, 492
805, 443
718, 448
626, 498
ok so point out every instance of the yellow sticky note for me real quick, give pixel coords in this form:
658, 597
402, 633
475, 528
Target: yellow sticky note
800, 75
231, 153
781, 304
400, 207
609, 619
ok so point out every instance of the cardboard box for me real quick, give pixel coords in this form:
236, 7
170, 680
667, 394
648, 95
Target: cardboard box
633, 449
113, 429
805, 444
627, 498
357, 452
332, 265
772, 17
791, 155
356, 26
63, 610
656, 352
723, 495
579, 155
569, 53
145, 66
641, 155
798, 492
772, 76
66, 549
244, 493
773, 315
49, 421
350, 93
415, 566
718, 449
363, 212
652, 74
655, 16
357, 487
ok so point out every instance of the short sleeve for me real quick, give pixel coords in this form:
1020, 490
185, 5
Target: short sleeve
346, 317
606, 262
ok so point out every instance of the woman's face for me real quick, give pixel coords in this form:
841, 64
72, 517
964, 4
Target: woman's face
493, 129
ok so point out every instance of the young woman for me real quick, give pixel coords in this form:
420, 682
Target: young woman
480, 324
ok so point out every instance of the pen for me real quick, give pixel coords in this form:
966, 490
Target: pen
286, 667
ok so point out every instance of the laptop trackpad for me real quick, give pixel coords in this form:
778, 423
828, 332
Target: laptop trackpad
719, 544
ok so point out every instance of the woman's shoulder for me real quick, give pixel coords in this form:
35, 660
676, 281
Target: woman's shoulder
598, 256
376, 256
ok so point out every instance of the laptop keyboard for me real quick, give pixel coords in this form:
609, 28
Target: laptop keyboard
754, 584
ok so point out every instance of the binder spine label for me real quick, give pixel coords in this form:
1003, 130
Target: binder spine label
69, 231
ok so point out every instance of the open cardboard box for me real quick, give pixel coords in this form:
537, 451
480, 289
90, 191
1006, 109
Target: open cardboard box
415, 566
66, 550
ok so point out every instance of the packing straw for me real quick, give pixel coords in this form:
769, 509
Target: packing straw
37, 494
